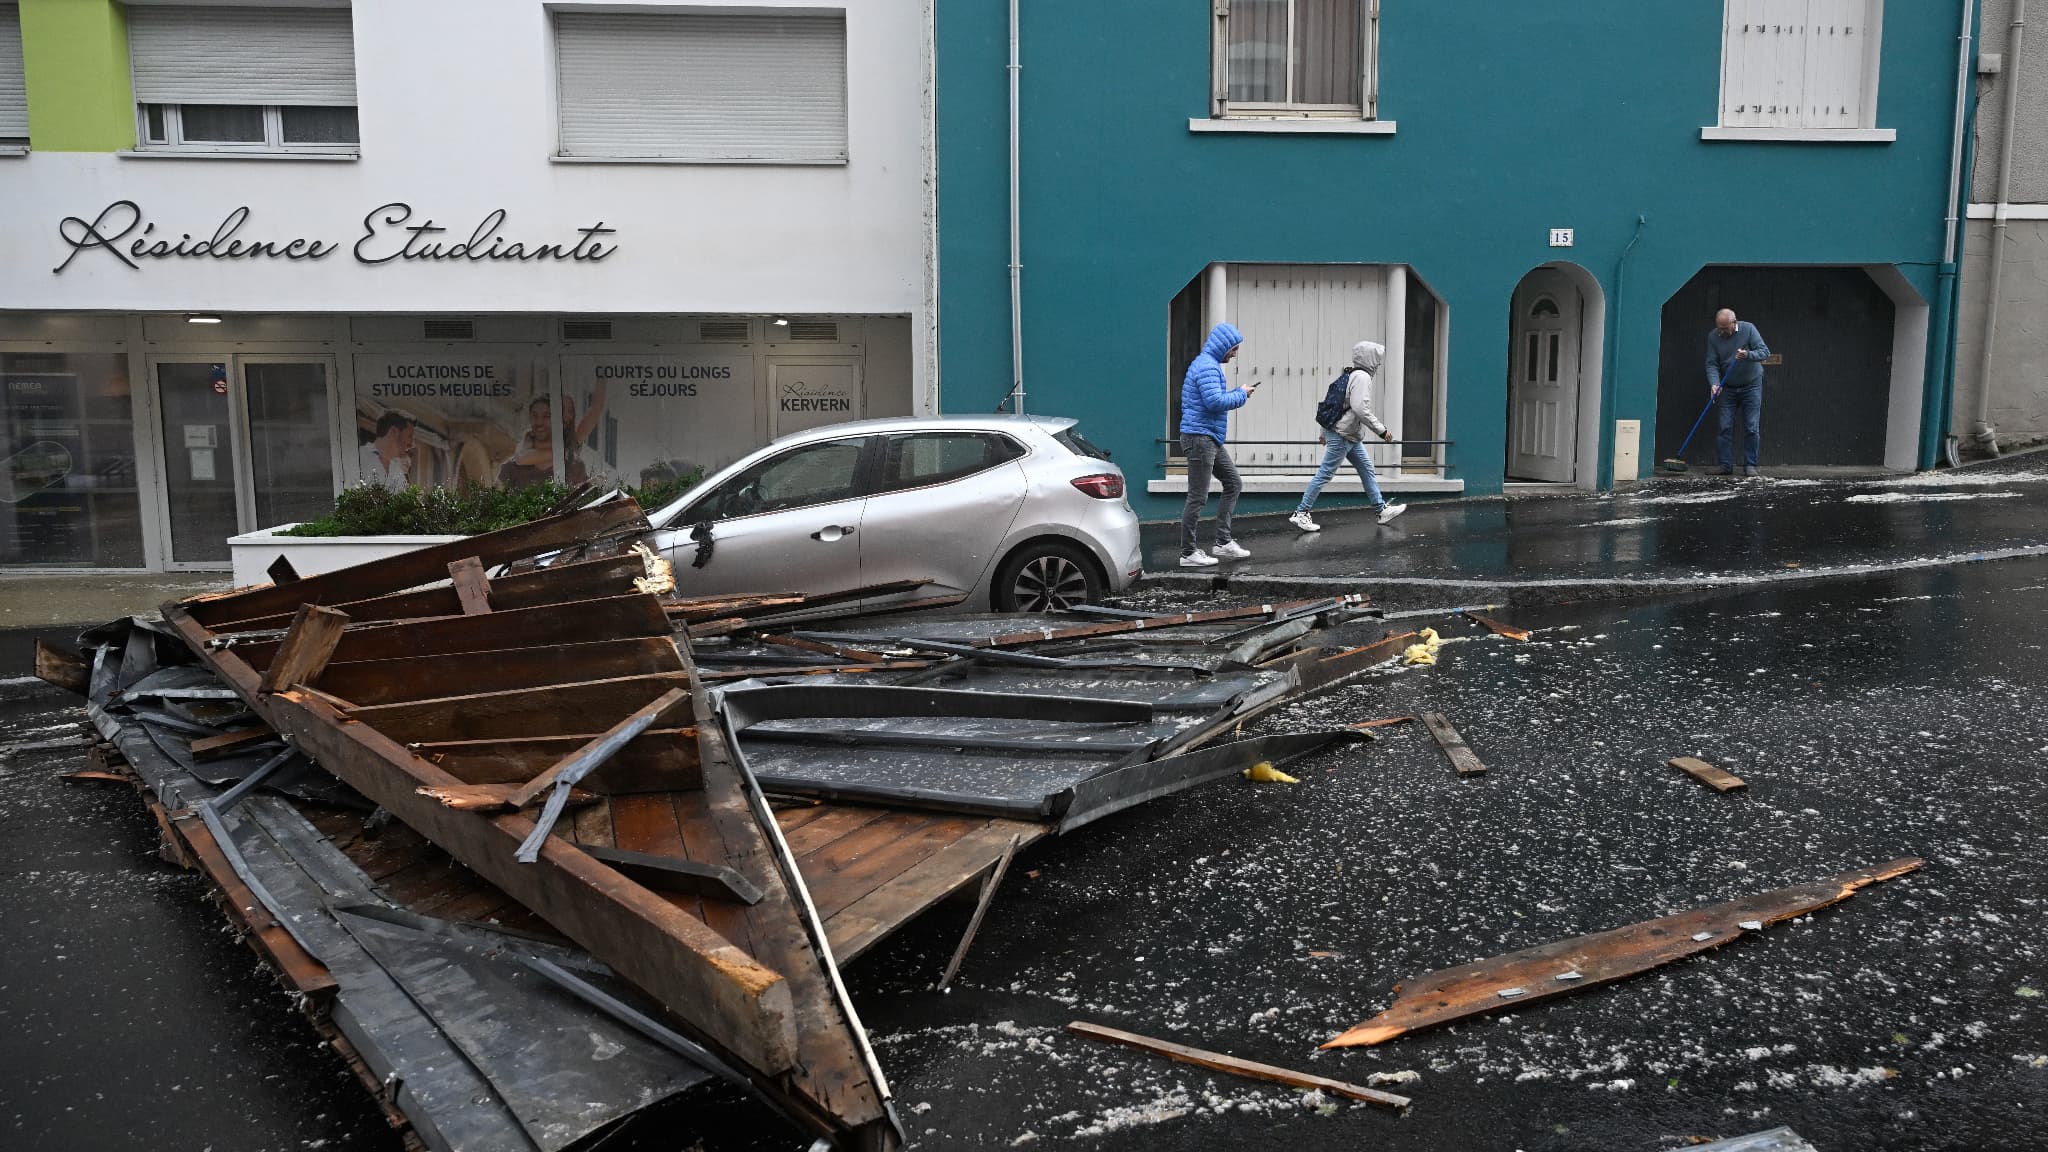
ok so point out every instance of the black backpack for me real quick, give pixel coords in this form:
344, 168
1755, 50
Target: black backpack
1331, 409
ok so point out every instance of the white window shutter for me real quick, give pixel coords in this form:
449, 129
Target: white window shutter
1800, 63
13, 90
298, 56
764, 88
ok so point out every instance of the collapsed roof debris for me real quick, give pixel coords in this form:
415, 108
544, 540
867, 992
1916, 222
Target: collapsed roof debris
456, 686
1582, 962
1237, 1067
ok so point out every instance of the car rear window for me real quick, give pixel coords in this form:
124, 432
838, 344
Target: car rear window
1079, 445
924, 459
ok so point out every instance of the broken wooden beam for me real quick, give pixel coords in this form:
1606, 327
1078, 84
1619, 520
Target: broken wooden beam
307, 646
1565, 966
472, 586
1386, 723
579, 764
62, 667
229, 743
988, 895
493, 797
1496, 627
1250, 1069
1707, 774
1462, 757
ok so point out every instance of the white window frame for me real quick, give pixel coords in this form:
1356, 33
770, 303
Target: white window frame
1866, 132
273, 142
1227, 115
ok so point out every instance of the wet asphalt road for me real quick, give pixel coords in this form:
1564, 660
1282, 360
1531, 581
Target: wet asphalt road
1873, 718
1667, 527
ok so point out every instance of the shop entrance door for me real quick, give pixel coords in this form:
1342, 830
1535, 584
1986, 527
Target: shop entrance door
247, 443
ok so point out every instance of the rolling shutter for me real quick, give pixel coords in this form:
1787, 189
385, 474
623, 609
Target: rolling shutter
13, 91
300, 56
707, 87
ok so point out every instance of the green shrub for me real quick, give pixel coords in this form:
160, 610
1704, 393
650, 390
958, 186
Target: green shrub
369, 510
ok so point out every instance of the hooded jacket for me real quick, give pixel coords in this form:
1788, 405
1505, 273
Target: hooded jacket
1366, 358
1206, 398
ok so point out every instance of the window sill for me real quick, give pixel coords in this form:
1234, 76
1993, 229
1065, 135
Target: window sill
1804, 135
189, 154
13, 149
1293, 125
839, 162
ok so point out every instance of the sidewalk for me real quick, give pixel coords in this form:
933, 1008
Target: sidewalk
1671, 533
59, 607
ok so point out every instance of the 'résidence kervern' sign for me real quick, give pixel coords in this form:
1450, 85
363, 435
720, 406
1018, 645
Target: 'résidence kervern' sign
389, 234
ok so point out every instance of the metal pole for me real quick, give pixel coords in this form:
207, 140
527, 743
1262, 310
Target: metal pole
1936, 417
1982, 430
1016, 240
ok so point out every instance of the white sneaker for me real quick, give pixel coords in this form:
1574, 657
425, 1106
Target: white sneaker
1231, 550
1198, 559
1389, 511
1300, 520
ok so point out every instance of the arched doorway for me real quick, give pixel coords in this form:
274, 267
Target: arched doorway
1554, 356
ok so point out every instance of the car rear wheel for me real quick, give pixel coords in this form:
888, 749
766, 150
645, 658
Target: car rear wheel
1046, 577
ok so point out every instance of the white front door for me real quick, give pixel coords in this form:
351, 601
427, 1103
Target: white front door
1543, 380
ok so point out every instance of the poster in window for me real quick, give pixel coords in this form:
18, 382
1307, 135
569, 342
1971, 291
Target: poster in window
809, 395
641, 420
67, 462
453, 421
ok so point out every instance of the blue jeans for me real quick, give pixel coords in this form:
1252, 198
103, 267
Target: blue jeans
1207, 457
1336, 450
1749, 399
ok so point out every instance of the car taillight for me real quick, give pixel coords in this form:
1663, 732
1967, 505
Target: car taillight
1102, 486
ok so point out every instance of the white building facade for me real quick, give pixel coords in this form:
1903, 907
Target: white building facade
461, 242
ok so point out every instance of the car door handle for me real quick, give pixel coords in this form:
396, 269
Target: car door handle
832, 532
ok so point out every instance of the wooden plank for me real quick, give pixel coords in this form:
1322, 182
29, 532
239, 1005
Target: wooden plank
1518, 978
853, 866
582, 580
472, 587
854, 655
611, 617
740, 1005
578, 764
63, 667
1707, 774
1389, 722
594, 824
988, 894
227, 743
1496, 627
412, 569
493, 797
520, 712
1462, 757
96, 776
368, 682
830, 826
702, 840
660, 760
1250, 1069
307, 646
648, 824
868, 921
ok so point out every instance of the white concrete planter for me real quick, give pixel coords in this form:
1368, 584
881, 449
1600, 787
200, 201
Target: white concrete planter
255, 552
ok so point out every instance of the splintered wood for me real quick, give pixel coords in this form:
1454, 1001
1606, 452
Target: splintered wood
1584, 961
1707, 774
1462, 757
1498, 628
1236, 1067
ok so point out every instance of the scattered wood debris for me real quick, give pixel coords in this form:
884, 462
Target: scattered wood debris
1585, 961
1386, 723
1496, 627
1236, 1067
1707, 774
1462, 757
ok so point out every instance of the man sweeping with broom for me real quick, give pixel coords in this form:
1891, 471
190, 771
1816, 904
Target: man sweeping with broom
1735, 377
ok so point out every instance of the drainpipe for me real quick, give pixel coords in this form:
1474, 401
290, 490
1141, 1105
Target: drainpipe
1936, 418
1981, 429
1016, 241
1610, 386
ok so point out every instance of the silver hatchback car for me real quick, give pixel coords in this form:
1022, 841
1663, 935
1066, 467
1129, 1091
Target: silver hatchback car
1015, 513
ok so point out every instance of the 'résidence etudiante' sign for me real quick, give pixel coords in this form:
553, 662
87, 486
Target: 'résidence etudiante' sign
389, 233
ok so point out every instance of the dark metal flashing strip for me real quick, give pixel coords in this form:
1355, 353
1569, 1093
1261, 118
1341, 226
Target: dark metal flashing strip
1114, 791
176, 724
885, 738
1312, 609
930, 799
644, 1024
249, 783
677, 875
746, 707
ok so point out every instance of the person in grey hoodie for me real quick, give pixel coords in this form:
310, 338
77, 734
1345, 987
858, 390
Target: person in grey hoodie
1343, 441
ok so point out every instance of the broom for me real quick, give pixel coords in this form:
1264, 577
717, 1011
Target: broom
1677, 463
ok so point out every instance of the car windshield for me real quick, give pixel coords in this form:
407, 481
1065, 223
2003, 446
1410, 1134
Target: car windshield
1078, 444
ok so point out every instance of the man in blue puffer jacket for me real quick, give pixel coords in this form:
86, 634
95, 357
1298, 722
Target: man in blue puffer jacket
1206, 400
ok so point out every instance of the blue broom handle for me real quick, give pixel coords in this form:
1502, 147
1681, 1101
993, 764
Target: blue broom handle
1711, 397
